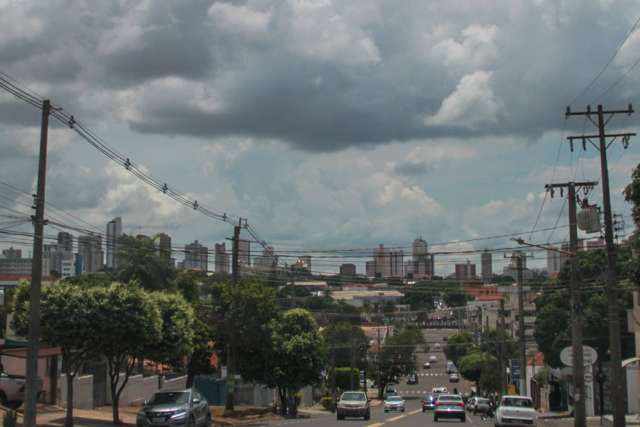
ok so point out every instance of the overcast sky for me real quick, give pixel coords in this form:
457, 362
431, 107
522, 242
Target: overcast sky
328, 124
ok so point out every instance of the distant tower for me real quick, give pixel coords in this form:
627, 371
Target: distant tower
114, 231
487, 266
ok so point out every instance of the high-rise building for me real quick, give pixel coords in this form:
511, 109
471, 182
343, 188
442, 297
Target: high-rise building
268, 261
465, 271
12, 253
221, 258
487, 265
422, 267
196, 257
348, 270
65, 240
244, 253
114, 231
164, 245
388, 263
370, 268
90, 251
21, 266
57, 255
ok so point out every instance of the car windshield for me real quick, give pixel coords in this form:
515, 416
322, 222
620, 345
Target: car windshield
449, 398
354, 396
394, 399
177, 397
517, 402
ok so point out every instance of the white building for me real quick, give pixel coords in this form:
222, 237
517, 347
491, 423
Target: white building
114, 231
358, 298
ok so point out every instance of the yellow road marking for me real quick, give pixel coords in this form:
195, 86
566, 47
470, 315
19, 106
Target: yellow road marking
415, 412
399, 417
375, 425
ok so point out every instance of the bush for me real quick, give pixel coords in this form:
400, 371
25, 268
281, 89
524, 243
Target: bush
328, 403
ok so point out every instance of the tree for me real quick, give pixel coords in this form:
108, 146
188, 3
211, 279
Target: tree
200, 360
297, 356
474, 364
459, 346
552, 307
490, 341
177, 328
420, 297
67, 321
188, 284
455, 298
128, 323
139, 260
341, 337
343, 377
632, 195
242, 317
396, 359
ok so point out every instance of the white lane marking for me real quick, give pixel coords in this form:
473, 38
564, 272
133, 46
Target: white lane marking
399, 417
375, 425
415, 412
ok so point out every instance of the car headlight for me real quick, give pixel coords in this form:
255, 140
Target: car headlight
179, 414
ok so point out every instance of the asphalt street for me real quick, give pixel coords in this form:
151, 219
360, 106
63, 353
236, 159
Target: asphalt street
413, 415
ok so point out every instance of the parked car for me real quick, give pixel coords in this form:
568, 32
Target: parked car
426, 365
451, 367
454, 377
438, 346
412, 379
353, 404
394, 403
12, 389
176, 408
433, 358
428, 403
439, 390
515, 411
449, 406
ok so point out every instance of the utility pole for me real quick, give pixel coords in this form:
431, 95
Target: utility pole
33, 342
580, 418
521, 334
617, 381
379, 353
231, 351
501, 337
352, 357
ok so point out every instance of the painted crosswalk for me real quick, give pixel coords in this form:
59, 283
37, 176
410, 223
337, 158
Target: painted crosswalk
431, 374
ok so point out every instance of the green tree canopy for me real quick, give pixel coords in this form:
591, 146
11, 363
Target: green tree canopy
477, 366
397, 358
297, 355
177, 328
459, 346
67, 321
138, 260
341, 337
128, 323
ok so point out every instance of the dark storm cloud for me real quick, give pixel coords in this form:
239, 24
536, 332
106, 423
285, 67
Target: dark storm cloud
411, 169
321, 76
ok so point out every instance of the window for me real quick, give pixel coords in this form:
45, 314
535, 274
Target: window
516, 402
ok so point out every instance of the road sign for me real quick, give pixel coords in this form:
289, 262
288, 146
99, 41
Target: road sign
589, 356
515, 369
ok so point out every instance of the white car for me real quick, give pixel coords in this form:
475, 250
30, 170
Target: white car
439, 390
515, 411
394, 403
12, 389
433, 358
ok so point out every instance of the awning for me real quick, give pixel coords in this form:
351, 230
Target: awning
630, 361
21, 353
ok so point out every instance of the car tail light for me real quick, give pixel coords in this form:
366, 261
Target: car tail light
461, 404
438, 403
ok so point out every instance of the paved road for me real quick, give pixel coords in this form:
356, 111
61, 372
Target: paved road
413, 416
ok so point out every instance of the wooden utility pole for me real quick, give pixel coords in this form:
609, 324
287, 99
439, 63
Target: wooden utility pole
501, 337
579, 419
521, 333
33, 340
616, 376
231, 350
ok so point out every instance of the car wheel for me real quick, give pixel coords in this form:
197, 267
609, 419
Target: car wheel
207, 420
3, 398
463, 418
435, 419
402, 409
367, 416
474, 412
191, 422
386, 410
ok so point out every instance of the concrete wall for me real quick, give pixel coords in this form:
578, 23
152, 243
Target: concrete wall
178, 383
82, 392
633, 387
139, 388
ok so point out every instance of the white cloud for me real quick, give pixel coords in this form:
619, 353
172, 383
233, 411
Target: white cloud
240, 19
471, 105
476, 50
